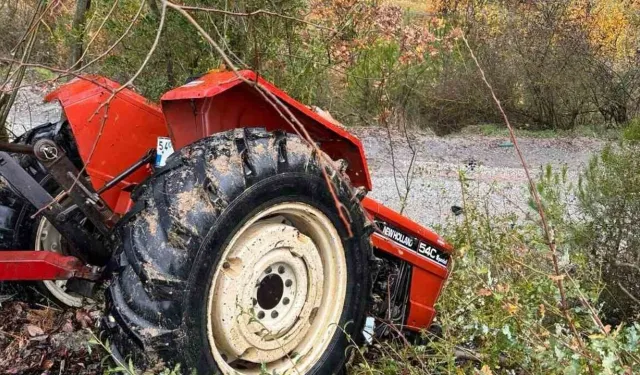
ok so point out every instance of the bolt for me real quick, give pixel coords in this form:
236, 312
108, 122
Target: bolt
226, 265
281, 269
285, 301
254, 301
288, 283
274, 314
268, 270
261, 315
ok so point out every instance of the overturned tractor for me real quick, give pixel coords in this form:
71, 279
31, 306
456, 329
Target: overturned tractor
253, 246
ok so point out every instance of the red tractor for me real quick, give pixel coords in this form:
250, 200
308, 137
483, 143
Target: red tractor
250, 248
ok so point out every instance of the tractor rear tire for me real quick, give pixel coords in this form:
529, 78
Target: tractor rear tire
235, 259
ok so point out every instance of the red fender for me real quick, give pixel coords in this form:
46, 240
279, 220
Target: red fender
221, 101
128, 127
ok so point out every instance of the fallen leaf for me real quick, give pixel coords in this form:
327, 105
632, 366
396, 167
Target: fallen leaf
485, 370
47, 364
484, 292
503, 288
67, 326
34, 330
83, 318
511, 308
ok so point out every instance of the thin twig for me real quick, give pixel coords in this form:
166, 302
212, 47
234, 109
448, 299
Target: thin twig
283, 111
534, 192
253, 14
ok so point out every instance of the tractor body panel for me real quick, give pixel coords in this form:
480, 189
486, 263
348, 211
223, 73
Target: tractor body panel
111, 133
419, 246
222, 101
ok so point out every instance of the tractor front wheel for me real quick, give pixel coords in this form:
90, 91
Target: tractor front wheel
238, 259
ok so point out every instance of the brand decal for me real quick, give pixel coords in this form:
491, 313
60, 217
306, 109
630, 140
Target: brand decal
414, 244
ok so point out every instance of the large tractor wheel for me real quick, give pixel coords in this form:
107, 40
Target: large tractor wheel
236, 260
18, 231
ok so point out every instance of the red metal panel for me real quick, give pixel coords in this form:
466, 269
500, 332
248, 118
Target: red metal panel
428, 277
128, 127
41, 265
379, 210
222, 101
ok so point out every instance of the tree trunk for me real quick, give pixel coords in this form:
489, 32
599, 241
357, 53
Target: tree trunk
78, 31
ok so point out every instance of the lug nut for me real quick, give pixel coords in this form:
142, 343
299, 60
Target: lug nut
254, 301
288, 283
281, 269
285, 301
261, 315
274, 314
268, 270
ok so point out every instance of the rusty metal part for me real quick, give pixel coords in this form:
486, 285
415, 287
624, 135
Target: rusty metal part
79, 190
43, 265
30, 189
16, 148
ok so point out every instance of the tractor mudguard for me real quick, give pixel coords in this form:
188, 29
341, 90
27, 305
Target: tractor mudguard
111, 133
220, 101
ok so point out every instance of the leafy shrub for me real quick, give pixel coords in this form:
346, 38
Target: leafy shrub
609, 198
632, 131
501, 311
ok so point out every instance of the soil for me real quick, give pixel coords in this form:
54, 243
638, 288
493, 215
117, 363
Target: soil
40, 338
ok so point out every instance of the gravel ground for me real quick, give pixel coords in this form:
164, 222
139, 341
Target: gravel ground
493, 170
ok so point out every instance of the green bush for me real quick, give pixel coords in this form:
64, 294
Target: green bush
501, 312
632, 131
609, 199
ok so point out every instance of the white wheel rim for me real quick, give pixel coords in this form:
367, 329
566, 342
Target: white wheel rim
278, 292
48, 238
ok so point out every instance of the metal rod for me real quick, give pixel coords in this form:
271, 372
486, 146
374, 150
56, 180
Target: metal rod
146, 159
16, 148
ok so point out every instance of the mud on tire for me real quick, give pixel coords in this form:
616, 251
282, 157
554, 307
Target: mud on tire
182, 221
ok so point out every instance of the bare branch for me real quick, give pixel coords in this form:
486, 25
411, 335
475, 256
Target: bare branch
283, 111
253, 14
534, 192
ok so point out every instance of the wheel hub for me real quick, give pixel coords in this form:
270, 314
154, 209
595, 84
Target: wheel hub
269, 291
266, 304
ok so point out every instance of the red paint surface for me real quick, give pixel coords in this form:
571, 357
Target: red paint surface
40, 265
222, 101
129, 124
428, 277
